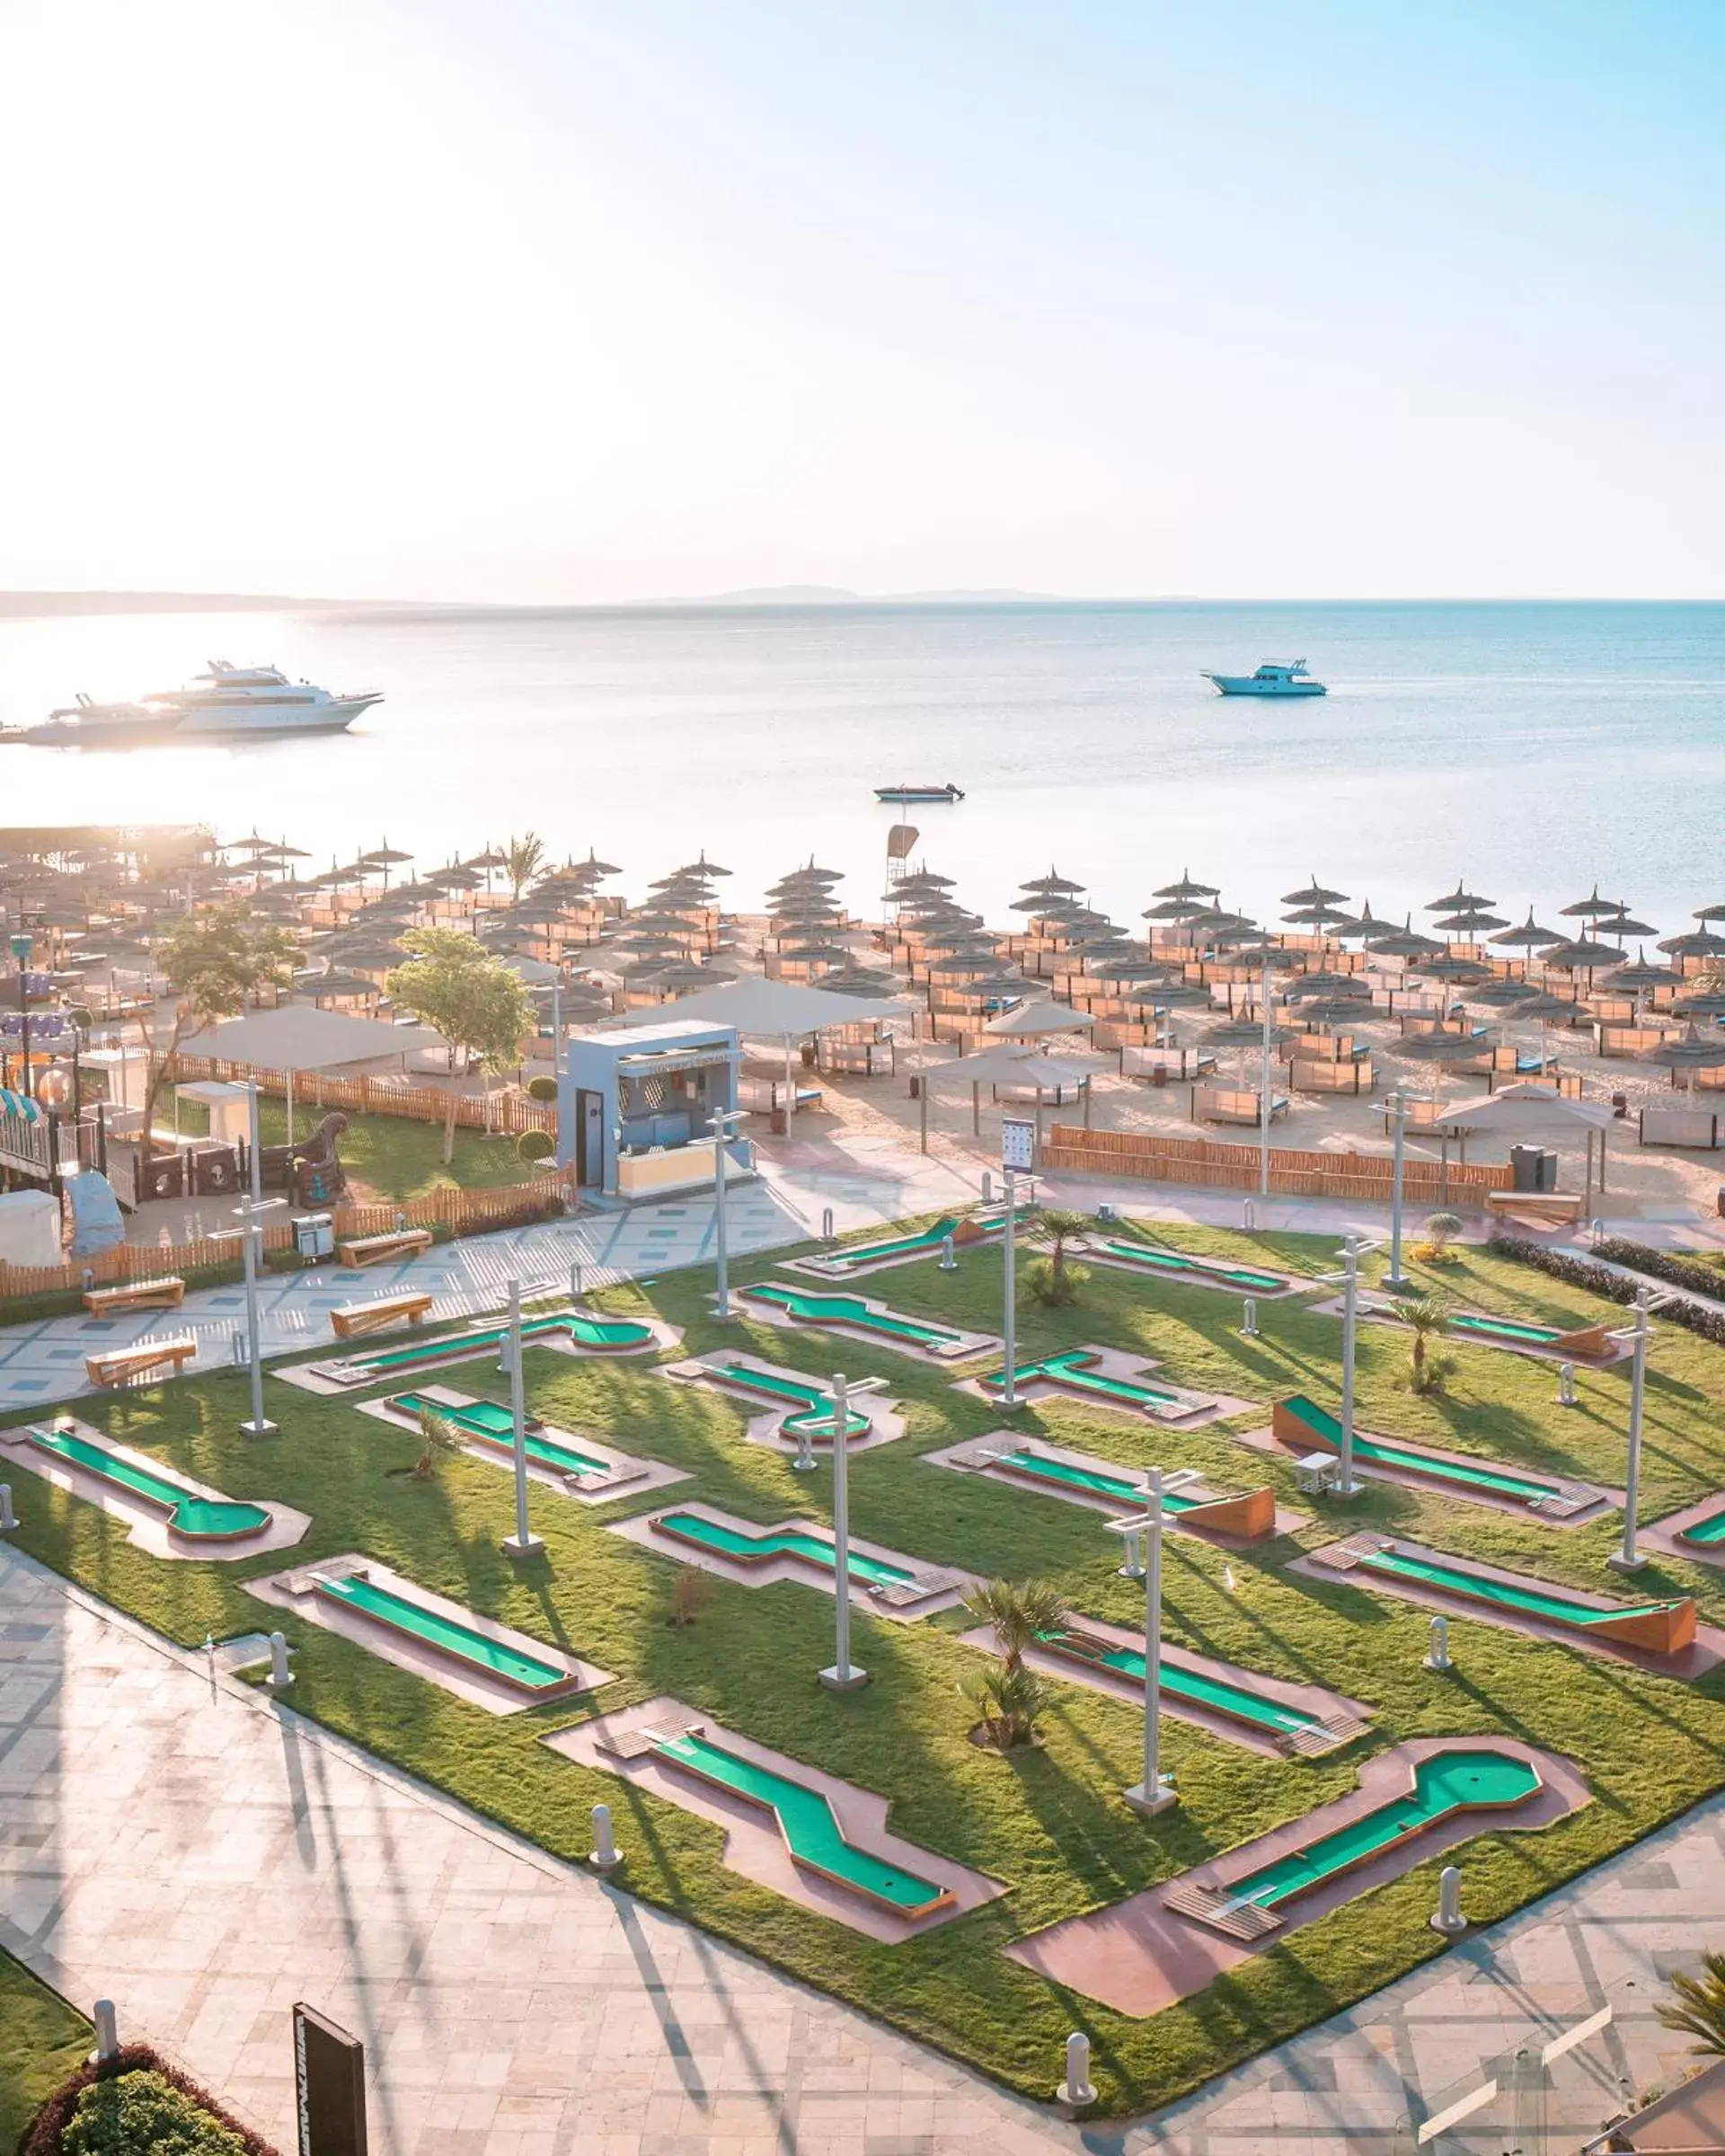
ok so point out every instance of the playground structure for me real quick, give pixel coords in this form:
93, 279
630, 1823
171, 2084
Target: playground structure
1225, 1692
1664, 1628
310, 1171
797, 1549
1087, 1372
1444, 1784
875, 1323
1130, 1256
1299, 1423
1080, 1478
964, 1229
572, 1331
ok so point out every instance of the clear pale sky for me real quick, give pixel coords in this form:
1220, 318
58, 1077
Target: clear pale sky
559, 301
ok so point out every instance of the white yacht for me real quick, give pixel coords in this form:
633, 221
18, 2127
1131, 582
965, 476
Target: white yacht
226, 704
1269, 680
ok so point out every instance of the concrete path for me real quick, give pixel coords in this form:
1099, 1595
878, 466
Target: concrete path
172, 1840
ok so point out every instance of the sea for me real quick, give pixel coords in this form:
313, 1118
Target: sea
1532, 751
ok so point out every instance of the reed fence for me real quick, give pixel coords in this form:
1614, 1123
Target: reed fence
1360, 1177
505, 1114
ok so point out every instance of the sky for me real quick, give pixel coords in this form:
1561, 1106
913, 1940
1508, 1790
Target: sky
553, 301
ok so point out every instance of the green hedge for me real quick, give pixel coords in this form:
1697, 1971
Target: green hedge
136, 2104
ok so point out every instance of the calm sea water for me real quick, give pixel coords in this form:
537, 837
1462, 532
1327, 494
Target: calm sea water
1529, 748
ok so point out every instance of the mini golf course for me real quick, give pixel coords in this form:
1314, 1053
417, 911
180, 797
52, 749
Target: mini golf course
1660, 1628
1515, 1332
1707, 1534
1206, 1272
853, 1314
599, 1336
1289, 1725
191, 1516
766, 1544
1078, 1370
1300, 1421
487, 1423
1444, 1784
1252, 1514
805, 1819
811, 1406
463, 1643
966, 1228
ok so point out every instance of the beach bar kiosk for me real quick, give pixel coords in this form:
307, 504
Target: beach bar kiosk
635, 1108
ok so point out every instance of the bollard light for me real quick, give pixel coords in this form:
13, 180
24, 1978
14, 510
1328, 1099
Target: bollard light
1131, 1564
1437, 1653
605, 1855
828, 1232
8, 1517
575, 1280
1567, 1396
1448, 1918
1249, 1324
107, 2030
280, 1676
1077, 2089
949, 1263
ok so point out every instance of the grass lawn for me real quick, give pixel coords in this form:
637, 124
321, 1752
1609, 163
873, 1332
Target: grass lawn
390, 1156
41, 2041
1048, 1823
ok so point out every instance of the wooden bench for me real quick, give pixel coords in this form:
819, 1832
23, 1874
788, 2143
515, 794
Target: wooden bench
371, 1250
1542, 1209
373, 1317
168, 1293
142, 1358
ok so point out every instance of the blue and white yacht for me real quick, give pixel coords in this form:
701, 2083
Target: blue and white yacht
1269, 680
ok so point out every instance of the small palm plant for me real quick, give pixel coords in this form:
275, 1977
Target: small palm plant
1055, 1280
440, 1437
1697, 2007
1009, 1702
1426, 1316
1010, 1699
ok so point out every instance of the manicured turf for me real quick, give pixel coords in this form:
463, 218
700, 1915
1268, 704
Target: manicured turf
423, 1354
389, 1156
852, 1311
1049, 1822
463, 1642
490, 1422
1192, 1685
42, 2040
1553, 1607
1707, 1533
1377, 1452
814, 1549
194, 1518
1151, 1260
1074, 1370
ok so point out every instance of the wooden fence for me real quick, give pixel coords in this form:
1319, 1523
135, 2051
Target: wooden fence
506, 1113
462, 1212
1356, 1176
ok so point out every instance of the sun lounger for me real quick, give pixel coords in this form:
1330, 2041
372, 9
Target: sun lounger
143, 1358
168, 1293
359, 1317
372, 1250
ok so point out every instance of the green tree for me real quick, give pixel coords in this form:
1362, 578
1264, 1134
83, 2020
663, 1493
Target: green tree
453, 983
1058, 1226
212, 962
1425, 1317
1697, 2007
524, 862
441, 1440
1010, 1697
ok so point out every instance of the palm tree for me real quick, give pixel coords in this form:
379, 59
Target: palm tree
1019, 1614
440, 1437
1009, 1701
1060, 1226
1697, 2007
1426, 1316
524, 859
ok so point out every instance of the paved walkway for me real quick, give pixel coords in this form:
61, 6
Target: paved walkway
173, 1839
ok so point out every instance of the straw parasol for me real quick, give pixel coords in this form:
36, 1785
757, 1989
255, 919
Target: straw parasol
1461, 900
1639, 975
1698, 943
1590, 907
1529, 935
1038, 1020
1692, 1052
1445, 968
1706, 1003
1314, 894
1337, 1011
1187, 888
1581, 954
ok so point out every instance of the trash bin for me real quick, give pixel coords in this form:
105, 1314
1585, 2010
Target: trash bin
314, 1235
1525, 1167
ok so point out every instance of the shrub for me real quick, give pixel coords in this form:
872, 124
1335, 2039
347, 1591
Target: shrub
690, 1595
1599, 1280
1055, 1284
1441, 1230
159, 2109
535, 1145
544, 1089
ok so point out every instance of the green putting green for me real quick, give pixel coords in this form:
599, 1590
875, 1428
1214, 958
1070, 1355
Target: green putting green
756, 1547
813, 1408
1076, 1371
1707, 1533
854, 1311
1506, 1329
1122, 1490
811, 1833
1448, 1783
899, 1246
196, 1518
610, 1334
493, 1425
463, 1642
1382, 1452
1153, 1259
1180, 1684
1549, 1603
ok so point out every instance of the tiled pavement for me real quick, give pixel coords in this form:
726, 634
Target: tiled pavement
175, 1841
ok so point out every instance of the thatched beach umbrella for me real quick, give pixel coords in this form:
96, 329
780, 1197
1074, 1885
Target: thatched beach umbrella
1698, 943
1461, 900
1314, 894
1693, 1051
1529, 935
1186, 889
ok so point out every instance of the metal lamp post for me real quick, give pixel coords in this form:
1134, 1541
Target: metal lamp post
844, 1675
523, 1543
22, 946
1395, 1280
1017, 1149
1355, 1248
1629, 1559
249, 1213
723, 1120
1154, 1792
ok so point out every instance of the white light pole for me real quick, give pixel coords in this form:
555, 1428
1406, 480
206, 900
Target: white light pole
1629, 1559
844, 1675
249, 1213
1154, 1792
523, 1543
1017, 1149
1263, 1086
1395, 1280
1353, 1251
721, 1122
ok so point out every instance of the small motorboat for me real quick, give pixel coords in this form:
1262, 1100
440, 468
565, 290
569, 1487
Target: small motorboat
948, 792
1269, 680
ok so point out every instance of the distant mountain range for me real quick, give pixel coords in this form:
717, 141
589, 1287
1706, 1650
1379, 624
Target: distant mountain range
836, 595
28, 605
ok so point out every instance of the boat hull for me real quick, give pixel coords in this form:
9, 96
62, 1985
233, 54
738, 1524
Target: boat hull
1242, 685
920, 794
206, 727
